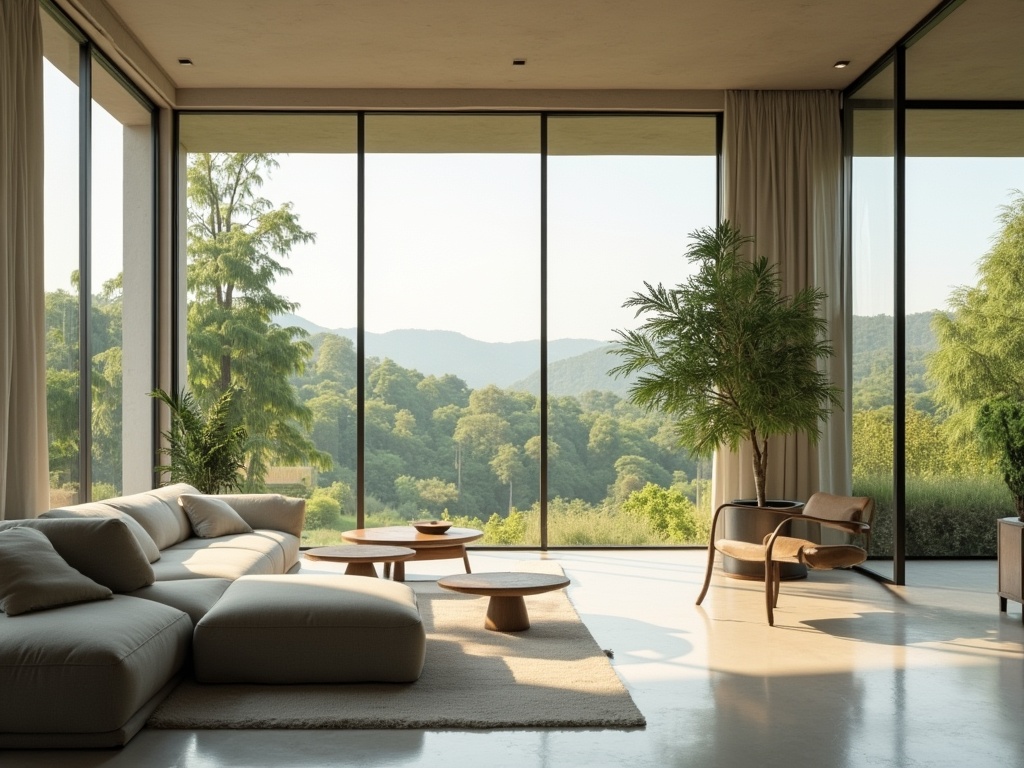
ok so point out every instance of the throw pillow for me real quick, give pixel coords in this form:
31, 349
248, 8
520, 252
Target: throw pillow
211, 517
34, 577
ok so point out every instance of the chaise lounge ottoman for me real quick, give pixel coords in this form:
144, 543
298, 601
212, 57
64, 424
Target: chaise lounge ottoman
311, 628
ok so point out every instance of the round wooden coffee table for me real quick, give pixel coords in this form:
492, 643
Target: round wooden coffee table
427, 546
360, 559
506, 610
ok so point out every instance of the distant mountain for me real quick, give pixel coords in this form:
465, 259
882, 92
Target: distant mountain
581, 365
874, 334
579, 374
436, 353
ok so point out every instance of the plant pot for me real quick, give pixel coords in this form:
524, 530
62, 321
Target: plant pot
742, 523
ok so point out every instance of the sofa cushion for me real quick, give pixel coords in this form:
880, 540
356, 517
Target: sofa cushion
211, 517
87, 668
270, 511
216, 558
99, 509
103, 549
193, 596
281, 548
33, 577
158, 512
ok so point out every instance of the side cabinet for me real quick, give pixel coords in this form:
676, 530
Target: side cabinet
1011, 564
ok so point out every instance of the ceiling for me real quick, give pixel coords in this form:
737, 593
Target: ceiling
470, 44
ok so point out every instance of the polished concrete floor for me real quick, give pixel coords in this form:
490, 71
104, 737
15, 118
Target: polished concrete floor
855, 673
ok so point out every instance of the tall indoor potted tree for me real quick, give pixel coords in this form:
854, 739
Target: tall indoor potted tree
727, 355
205, 450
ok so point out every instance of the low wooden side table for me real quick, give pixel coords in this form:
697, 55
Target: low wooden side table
427, 546
1011, 562
506, 610
360, 559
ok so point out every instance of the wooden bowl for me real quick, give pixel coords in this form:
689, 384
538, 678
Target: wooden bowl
431, 526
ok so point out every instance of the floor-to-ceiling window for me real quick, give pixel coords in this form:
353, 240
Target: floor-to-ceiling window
61, 255
99, 263
946, 182
453, 319
624, 192
965, 172
422, 238
872, 240
271, 305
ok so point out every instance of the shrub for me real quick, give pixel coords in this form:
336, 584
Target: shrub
667, 511
946, 516
322, 511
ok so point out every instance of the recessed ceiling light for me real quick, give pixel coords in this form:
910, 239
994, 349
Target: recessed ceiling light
185, 62
518, 62
841, 64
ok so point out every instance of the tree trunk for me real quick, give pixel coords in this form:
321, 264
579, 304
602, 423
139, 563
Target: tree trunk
760, 462
1018, 503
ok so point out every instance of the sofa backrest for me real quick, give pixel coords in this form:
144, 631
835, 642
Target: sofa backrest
158, 512
102, 548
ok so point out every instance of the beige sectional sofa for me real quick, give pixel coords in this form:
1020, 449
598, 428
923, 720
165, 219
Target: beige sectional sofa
89, 674
105, 606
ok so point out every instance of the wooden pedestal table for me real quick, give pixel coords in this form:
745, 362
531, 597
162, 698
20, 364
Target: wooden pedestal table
506, 611
361, 559
427, 546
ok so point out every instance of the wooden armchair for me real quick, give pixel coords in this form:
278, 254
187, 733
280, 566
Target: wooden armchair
852, 514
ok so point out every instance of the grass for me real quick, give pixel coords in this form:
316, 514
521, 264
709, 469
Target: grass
946, 517
567, 526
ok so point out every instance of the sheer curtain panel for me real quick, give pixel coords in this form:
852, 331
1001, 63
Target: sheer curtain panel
782, 157
24, 487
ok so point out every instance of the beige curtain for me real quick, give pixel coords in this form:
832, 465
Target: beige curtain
782, 157
24, 485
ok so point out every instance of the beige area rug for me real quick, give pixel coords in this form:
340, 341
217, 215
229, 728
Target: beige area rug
552, 675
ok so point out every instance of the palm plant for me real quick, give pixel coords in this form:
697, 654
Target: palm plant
206, 450
727, 355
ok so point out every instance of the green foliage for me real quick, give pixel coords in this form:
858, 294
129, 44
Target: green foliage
981, 340
322, 510
206, 450
101, 491
506, 530
668, 512
1001, 427
932, 449
574, 523
236, 238
946, 516
727, 355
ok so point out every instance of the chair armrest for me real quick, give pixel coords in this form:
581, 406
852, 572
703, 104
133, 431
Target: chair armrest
270, 511
850, 526
781, 515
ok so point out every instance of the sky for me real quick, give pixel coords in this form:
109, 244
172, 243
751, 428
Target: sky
453, 241
953, 206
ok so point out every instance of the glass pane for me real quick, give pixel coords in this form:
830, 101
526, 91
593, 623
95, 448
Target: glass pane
872, 233
964, 210
272, 298
452, 322
623, 194
60, 216
120, 282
